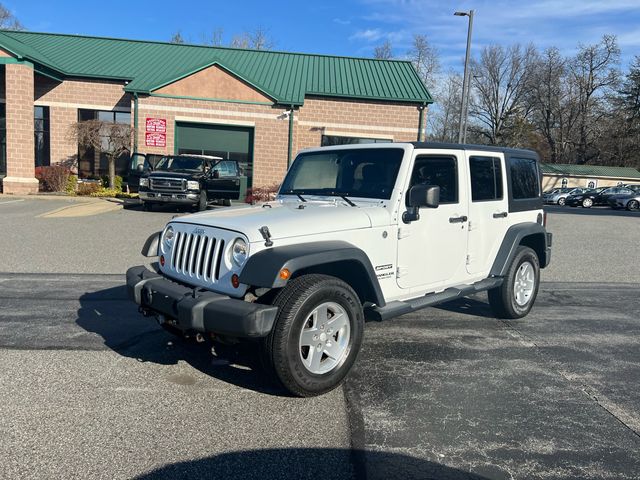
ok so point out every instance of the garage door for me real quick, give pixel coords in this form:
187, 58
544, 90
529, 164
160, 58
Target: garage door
232, 143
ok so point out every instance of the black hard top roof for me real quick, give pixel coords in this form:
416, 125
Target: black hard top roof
483, 148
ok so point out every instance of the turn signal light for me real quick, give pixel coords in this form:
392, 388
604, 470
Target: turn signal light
162, 260
285, 274
235, 280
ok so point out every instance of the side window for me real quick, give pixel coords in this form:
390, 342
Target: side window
227, 169
525, 182
440, 171
486, 178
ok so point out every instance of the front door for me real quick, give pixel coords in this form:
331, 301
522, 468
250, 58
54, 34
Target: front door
432, 249
488, 209
223, 181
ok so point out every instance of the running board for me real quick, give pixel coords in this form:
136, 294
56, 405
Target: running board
397, 308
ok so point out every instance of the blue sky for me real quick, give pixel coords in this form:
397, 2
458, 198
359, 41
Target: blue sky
351, 27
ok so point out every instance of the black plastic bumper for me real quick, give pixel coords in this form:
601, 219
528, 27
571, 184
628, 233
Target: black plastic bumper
198, 310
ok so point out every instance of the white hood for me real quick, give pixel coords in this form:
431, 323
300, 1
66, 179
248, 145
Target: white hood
287, 219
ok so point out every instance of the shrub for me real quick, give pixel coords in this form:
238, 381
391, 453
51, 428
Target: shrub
117, 182
88, 188
262, 194
105, 192
72, 184
54, 178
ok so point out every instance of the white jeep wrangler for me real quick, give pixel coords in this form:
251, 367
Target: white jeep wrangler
360, 232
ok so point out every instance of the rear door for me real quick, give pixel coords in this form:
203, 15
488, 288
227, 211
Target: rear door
223, 181
488, 209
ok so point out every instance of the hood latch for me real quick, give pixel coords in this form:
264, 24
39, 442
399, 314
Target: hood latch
266, 234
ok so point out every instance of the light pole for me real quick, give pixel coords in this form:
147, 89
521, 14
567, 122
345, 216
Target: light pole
464, 108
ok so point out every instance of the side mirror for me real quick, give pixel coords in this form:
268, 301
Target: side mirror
424, 196
420, 196
140, 168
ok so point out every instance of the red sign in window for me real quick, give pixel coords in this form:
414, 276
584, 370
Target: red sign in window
152, 139
157, 125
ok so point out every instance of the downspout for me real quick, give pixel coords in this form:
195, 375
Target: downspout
135, 122
290, 149
421, 109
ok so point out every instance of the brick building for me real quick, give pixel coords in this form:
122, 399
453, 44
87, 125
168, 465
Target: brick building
257, 107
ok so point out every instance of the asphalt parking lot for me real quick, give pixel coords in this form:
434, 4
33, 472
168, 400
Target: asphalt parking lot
90, 389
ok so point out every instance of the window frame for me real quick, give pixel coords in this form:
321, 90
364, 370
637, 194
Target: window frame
456, 165
502, 177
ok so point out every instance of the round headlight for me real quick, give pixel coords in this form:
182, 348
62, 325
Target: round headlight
167, 238
239, 252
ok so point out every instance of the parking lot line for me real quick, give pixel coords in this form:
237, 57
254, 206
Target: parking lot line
12, 201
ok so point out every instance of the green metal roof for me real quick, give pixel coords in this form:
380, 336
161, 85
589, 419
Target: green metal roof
285, 77
589, 170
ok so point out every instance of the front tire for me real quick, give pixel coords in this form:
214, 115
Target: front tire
203, 201
587, 203
562, 201
316, 336
515, 297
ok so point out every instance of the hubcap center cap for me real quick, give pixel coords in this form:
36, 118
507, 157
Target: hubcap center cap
323, 337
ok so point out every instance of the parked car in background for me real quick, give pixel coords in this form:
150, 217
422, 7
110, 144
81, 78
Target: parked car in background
558, 196
596, 197
193, 180
633, 186
630, 202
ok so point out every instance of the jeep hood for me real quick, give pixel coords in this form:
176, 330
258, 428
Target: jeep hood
287, 220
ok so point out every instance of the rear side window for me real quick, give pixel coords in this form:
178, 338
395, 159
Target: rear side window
525, 182
486, 178
440, 171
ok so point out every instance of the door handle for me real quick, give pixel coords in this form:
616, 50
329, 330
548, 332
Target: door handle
458, 219
500, 215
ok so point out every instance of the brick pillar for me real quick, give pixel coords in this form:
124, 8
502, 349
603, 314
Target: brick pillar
20, 177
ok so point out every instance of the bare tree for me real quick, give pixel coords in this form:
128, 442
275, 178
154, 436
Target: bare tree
215, 38
594, 72
425, 59
258, 39
384, 51
177, 38
445, 114
8, 21
500, 83
112, 139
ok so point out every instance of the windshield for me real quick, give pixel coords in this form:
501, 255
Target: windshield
363, 172
180, 163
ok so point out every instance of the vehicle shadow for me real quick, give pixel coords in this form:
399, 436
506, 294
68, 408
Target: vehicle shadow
474, 306
593, 211
311, 463
110, 314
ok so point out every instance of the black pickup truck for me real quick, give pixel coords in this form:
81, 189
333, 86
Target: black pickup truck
195, 180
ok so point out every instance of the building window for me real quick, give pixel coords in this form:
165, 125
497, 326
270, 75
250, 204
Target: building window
41, 133
328, 140
92, 164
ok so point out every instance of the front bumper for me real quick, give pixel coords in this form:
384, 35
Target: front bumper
195, 309
165, 197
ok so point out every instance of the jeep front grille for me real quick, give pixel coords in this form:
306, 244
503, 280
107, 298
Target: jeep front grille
168, 184
197, 256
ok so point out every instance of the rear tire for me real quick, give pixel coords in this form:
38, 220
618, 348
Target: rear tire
226, 202
515, 297
633, 205
562, 201
587, 203
316, 336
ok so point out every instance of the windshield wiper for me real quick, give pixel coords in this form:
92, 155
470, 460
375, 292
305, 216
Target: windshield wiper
300, 197
347, 200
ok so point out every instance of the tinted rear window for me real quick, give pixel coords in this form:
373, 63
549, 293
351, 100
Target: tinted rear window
525, 182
